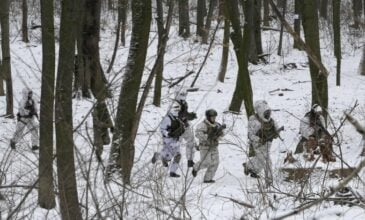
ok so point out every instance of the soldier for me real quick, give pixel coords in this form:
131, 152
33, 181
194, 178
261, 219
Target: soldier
208, 132
187, 116
101, 123
314, 134
26, 118
262, 130
172, 128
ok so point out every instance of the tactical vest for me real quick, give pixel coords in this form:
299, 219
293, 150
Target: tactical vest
29, 105
267, 128
177, 127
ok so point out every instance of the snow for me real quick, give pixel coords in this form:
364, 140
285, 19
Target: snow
151, 188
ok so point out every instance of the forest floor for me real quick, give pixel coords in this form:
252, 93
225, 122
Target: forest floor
152, 194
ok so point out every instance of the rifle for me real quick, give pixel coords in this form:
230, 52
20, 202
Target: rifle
271, 137
216, 131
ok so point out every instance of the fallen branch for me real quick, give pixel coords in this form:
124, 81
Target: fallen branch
241, 203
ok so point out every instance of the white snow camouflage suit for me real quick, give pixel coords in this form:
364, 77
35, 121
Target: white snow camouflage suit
209, 154
27, 110
261, 159
171, 144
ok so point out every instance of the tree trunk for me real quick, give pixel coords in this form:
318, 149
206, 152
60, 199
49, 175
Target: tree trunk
282, 30
2, 93
324, 8
266, 13
212, 5
123, 10
90, 49
184, 25
225, 51
356, 7
311, 33
122, 142
6, 64
257, 22
200, 14
243, 90
162, 41
63, 115
362, 64
25, 22
336, 6
297, 18
46, 196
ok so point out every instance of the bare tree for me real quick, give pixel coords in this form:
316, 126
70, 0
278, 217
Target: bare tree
25, 22
123, 144
324, 9
212, 6
297, 20
362, 64
184, 25
336, 6
311, 33
225, 45
63, 115
201, 12
46, 197
243, 90
266, 13
2, 93
5, 48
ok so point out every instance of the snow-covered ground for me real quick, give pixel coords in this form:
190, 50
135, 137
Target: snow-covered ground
153, 195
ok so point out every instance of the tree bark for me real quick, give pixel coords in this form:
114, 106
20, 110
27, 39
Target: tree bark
324, 9
257, 21
25, 22
362, 64
297, 20
225, 51
336, 6
282, 30
126, 112
311, 33
6, 64
123, 10
212, 6
356, 7
63, 115
266, 13
46, 196
184, 25
243, 90
200, 14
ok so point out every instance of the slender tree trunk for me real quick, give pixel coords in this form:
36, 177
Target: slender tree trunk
225, 51
282, 30
162, 42
46, 196
324, 9
356, 7
2, 93
25, 22
297, 20
249, 12
266, 13
362, 64
184, 25
6, 64
123, 10
200, 14
311, 33
122, 141
243, 90
63, 115
212, 6
336, 6
257, 21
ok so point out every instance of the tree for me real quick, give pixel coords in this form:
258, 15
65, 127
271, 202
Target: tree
356, 8
266, 13
184, 25
201, 12
2, 93
46, 196
25, 22
163, 33
282, 30
123, 144
225, 45
5, 48
336, 6
63, 115
362, 64
297, 19
323, 9
243, 90
212, 5
311, 33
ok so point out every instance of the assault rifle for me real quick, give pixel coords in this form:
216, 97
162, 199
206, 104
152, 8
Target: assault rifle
216, 131
266, 138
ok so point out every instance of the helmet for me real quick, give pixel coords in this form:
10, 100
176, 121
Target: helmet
210, 113
316, 108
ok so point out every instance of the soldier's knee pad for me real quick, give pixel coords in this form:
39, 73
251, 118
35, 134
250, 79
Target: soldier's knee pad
177, 158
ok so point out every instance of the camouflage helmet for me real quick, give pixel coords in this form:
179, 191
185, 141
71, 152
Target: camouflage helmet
210, 113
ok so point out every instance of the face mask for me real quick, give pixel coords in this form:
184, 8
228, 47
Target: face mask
267, 114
